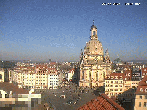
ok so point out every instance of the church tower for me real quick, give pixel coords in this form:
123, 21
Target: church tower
93, 32
92, 62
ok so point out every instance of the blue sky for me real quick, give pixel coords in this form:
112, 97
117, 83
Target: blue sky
59, 29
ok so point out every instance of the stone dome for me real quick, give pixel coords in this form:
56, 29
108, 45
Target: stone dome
93, 47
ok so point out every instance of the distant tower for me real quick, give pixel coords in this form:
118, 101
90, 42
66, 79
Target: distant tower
107, 57
49, 60
117, 56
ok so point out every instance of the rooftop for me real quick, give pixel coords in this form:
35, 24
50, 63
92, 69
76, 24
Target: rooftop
115, 76
142, 88
102, 102
6, 86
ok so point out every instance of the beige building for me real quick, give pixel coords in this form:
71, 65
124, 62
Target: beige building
141, 95
36, 77
1, 75
114, 84
94, 66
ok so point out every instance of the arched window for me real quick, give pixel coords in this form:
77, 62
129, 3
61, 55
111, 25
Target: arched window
0, 76
141, 89
93, 32
97, 76
82, 74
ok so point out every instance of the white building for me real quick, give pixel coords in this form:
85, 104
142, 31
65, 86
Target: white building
1, 75
70, 74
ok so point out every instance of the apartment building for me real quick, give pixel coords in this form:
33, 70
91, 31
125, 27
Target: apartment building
53, 78
38, 77
114, 84
141, 95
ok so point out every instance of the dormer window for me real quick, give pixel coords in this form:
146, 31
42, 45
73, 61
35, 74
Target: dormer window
146, 90
116, 77
144, 69
93, 32
146, 81
141, 89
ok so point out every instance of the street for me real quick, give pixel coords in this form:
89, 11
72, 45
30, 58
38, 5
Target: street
74, 98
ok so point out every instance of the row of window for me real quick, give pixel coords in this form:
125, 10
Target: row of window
144, 73
42, 72
112, 85
41, 83
45, 74
141, 89
29, 83
114, 82
113, 89
28, 80
112, 94
134, 83
53, 78
144, 105
53, 84
141, 96
53, 81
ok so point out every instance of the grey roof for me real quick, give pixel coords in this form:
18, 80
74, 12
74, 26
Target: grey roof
118, 61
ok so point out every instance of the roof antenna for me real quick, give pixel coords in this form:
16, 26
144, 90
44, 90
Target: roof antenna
93, 22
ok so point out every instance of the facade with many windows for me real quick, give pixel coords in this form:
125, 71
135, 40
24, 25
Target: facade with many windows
37, 77
114, 84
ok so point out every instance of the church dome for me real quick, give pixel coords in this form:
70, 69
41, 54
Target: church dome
94, 47
118, 61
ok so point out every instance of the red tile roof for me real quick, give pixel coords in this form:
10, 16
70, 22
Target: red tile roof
52, 63
144, 71
102, 102
72, 70
141, 90
142, 87
143, 81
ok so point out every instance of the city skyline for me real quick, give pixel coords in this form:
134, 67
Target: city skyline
58, 30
